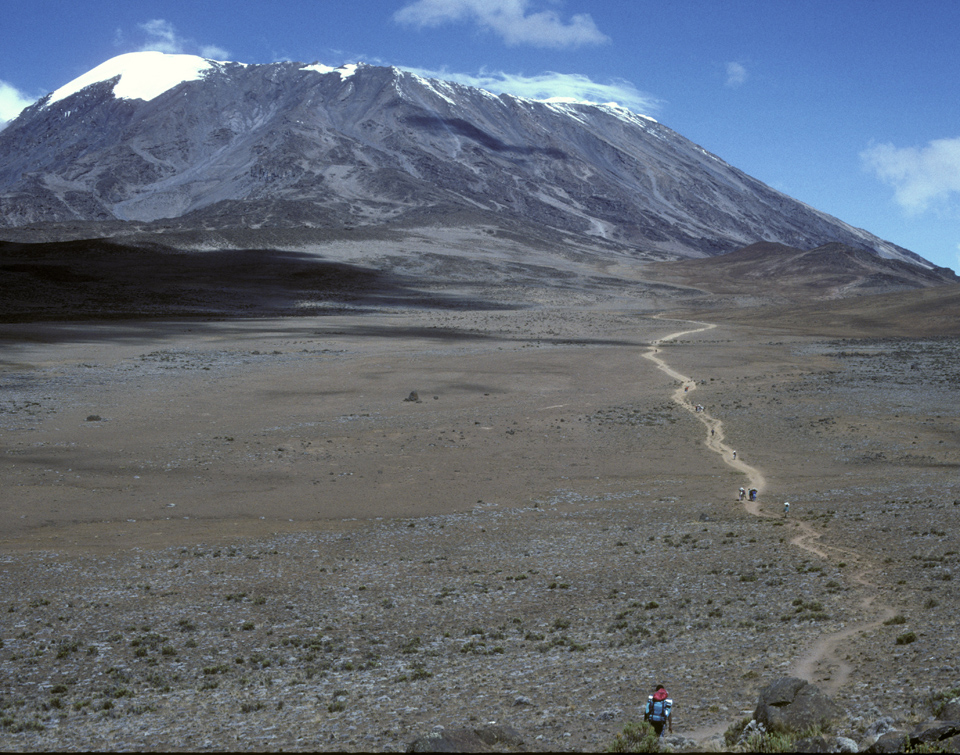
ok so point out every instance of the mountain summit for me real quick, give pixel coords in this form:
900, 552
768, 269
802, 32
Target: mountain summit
150, 136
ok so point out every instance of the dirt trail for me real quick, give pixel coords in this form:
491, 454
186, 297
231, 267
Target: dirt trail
821, 663
714, 427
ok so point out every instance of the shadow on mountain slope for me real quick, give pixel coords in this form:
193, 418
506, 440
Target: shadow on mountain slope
100, 279
467, 130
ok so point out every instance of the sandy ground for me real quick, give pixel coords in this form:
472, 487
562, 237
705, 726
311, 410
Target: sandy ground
242, 535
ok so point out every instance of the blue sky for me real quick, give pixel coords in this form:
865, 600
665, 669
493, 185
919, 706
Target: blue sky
852, 106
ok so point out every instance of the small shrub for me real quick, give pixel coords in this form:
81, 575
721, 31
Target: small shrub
411, 646
636, 737
906, 638
896, 620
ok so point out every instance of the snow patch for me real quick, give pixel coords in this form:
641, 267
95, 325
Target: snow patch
143, 75
345, 71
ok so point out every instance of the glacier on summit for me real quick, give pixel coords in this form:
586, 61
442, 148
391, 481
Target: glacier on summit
143, 75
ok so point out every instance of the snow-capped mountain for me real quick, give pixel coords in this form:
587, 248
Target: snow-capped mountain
148, 136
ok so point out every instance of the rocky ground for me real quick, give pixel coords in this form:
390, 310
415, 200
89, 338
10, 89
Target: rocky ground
242, 536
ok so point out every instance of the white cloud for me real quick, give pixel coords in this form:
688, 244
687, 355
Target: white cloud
736, 74
162, 36
551, 85
12, 101
920, 176
512, 20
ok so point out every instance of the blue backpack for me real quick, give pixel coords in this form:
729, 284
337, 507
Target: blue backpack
658, 711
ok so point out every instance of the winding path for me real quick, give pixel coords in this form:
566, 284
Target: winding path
715, 435
822, 659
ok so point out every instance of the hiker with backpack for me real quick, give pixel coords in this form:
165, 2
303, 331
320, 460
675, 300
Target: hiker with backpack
658, 711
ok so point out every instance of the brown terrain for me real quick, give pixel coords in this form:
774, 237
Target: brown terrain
476, 489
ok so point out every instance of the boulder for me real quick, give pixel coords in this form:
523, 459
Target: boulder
845, 744
792, 704
934, 732
876, 730
891, 741
950, 711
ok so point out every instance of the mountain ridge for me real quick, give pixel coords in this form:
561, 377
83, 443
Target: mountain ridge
288, 144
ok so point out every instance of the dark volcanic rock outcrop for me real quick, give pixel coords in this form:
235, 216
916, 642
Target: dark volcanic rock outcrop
792, 704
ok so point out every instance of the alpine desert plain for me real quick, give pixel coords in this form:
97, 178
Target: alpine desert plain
481, 493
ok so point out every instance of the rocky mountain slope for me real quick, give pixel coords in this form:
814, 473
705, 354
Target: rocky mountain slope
221, 145
830, 271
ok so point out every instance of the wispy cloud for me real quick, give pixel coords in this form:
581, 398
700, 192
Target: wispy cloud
920, 176
552, 85
514, 21
12, 101
736, 75
162, 36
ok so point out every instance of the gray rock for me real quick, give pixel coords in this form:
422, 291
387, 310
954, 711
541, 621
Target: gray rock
950, 711
892, 741
752, 728
792, 704
931, 732
877, 728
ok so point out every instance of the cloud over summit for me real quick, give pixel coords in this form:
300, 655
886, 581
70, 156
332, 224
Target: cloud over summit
12, 101
162, 36
512, 20
552, 85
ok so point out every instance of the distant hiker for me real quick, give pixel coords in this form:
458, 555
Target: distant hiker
786, 508
658, 711
712, 431
743, 494
734, 455
753, 494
